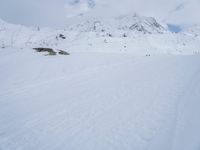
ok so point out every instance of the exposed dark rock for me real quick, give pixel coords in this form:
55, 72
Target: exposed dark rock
49, 50
110, 35
61, 52
62, 36
124, 35
139, 28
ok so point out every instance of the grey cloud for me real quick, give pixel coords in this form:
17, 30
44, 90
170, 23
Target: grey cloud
55, 12
33, 12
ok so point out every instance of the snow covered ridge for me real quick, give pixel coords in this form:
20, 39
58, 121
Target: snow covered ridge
21, 36
126, 23
129, 34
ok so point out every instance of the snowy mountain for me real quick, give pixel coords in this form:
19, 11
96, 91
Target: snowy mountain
117, 34
123, 84
126, 23
171, 12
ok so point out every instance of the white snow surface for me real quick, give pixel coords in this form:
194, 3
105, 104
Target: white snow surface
95, 101
119, 89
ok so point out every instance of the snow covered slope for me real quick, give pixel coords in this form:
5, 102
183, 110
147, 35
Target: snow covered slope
128, 84
194, 30
132, 23
123, 34
95, 101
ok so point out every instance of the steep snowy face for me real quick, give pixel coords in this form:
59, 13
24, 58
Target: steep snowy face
139, 24
128, 23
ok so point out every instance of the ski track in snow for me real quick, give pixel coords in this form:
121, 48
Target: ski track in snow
18, 90
116, 105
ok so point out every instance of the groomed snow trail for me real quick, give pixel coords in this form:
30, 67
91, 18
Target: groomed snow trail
93, 101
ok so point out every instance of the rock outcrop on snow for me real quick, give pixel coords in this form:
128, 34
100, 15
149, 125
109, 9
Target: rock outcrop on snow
50, 51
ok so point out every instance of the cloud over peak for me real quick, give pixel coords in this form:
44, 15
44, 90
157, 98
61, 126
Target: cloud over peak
56, 12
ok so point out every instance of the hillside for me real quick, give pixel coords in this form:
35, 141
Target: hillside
119, 34
124, 83
98, 101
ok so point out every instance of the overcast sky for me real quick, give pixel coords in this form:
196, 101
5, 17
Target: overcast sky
56, 12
